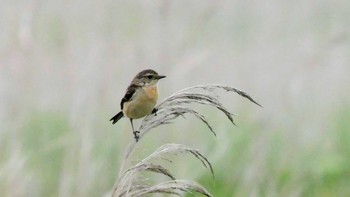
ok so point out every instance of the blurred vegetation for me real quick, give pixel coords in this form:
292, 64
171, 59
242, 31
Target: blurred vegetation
320, 169
64, 65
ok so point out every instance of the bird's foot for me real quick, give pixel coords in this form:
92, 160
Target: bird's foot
136, 135
154, 111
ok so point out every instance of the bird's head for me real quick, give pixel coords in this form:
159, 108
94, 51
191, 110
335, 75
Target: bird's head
147, 78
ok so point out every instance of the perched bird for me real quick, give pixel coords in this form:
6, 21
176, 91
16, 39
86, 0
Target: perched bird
140, 98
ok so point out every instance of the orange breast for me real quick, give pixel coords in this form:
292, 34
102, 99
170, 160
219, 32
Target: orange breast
151, 93
142, 103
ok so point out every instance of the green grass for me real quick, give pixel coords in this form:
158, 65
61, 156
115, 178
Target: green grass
322, 170
253, 163
45, 141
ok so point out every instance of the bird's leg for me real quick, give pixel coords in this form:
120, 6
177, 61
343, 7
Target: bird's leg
154, 111
136, 133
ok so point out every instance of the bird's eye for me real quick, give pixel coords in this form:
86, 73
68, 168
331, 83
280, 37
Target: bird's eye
149, 77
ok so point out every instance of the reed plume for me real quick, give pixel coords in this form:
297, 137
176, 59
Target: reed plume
130, 183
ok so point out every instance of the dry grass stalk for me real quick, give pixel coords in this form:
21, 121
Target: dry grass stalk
129, 183
168, 110
172, 187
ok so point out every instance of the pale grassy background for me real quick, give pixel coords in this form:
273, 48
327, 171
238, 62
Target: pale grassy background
64, 65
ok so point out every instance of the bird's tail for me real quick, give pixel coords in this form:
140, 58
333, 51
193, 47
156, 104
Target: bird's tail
117, 117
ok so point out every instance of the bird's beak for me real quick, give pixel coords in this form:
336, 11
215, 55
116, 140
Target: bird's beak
160, 76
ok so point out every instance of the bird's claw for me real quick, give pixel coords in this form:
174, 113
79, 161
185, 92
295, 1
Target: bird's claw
154, 111
136, 135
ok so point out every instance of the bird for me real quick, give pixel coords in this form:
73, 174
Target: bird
140, 98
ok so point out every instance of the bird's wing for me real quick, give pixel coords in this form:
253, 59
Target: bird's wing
128, 95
